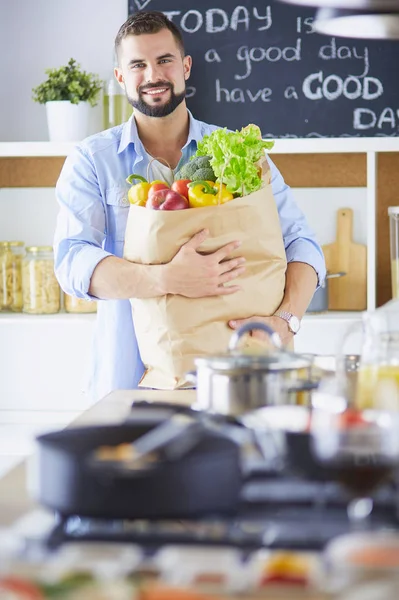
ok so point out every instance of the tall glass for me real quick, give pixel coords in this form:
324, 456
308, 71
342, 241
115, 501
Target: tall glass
360, 449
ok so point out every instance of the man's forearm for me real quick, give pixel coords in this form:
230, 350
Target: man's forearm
118, 279
300, 285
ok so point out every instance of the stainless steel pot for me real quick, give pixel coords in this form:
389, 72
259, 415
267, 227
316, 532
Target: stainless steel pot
238, 382
319, 302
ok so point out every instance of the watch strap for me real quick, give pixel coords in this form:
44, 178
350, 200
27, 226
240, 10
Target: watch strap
287, 316
283, 315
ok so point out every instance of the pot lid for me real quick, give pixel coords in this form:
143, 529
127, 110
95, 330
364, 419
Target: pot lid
258, 360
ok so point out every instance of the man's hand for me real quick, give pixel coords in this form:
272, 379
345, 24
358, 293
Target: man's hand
194, 275
276, 323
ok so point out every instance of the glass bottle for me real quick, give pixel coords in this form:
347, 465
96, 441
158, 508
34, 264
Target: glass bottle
79, 305
41, 292
116, 108
11, 276
377, 382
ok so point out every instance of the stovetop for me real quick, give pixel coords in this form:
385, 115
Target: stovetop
279, 513
278, 510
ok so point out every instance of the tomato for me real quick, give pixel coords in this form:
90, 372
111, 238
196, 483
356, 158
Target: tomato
156, 186
352, 418
24, 589
181, 187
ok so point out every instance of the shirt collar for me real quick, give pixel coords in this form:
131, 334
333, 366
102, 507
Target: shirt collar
130, 135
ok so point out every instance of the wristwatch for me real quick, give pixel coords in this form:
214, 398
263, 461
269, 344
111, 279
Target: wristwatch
294, 324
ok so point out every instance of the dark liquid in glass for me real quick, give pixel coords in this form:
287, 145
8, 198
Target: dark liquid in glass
360, 478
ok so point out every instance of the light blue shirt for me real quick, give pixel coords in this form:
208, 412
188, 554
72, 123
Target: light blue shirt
92, 195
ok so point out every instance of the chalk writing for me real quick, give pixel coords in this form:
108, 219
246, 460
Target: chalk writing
261, 61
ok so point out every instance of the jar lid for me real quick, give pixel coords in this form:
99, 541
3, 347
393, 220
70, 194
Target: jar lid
4, 244
17, 244
267, 361
393, 210
39, 248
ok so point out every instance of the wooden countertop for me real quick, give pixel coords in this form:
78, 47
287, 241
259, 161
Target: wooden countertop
16, 502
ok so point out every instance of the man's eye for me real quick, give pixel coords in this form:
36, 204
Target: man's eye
138, 65
165, 60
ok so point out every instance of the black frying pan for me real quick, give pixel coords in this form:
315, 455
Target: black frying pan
207, 479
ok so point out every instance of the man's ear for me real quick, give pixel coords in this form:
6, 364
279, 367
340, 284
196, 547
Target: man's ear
119, 77
187, 64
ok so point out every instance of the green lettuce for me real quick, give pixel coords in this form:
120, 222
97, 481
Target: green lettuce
234, 155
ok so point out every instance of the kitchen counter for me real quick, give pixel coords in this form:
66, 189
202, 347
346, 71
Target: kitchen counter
18, 507
15, 501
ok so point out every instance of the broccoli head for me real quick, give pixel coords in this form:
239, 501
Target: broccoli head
204, 174
188, 171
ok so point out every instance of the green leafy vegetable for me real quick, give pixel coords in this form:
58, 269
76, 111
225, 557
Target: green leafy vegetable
234, 155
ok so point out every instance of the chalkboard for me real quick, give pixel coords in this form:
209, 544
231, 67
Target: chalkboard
261, 62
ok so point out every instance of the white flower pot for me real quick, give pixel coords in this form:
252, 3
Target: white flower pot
67, 122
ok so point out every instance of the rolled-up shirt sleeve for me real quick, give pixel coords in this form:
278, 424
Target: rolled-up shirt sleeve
81, 224
299, 240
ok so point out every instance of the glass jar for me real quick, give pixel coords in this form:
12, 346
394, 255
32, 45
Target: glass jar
79, 305
41, 292
11, 276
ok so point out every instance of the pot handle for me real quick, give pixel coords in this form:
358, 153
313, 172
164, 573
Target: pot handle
191, 376
237, 335
302, 386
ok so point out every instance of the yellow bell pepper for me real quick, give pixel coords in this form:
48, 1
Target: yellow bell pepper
138, 193
207, 193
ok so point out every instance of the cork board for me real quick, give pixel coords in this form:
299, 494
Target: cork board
299, 170
387, 195
30, 171
322, 170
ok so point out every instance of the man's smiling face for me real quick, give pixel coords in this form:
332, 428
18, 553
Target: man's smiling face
153, 72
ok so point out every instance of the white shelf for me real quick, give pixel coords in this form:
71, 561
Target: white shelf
61, 317
338, 145
282, 146
31, 149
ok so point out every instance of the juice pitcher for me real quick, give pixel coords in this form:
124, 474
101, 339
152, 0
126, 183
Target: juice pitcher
378, 374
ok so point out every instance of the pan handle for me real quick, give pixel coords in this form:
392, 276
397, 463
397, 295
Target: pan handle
237, 335
175, 437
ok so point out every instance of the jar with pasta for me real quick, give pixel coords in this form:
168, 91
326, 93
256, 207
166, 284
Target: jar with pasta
11, 276
41, 292
73, 304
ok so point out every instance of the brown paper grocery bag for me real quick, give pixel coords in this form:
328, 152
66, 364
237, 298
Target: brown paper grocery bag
173, 330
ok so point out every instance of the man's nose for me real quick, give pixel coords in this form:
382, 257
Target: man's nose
153, 73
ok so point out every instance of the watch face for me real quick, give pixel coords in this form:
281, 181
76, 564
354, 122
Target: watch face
294, 324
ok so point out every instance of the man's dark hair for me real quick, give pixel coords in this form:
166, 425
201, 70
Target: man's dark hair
150, 21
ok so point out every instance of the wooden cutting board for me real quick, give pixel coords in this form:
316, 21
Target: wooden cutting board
348, 292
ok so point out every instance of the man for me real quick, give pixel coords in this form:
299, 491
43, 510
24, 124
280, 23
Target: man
153, 70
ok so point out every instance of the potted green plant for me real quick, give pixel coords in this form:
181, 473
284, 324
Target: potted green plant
67, 94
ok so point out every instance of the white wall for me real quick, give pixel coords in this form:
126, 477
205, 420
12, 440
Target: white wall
40, 34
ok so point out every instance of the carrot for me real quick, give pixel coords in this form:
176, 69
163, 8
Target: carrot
161, 592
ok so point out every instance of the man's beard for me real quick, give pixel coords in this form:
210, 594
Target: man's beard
163, 110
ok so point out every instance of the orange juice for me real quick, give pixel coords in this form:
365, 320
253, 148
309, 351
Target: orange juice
378, 387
